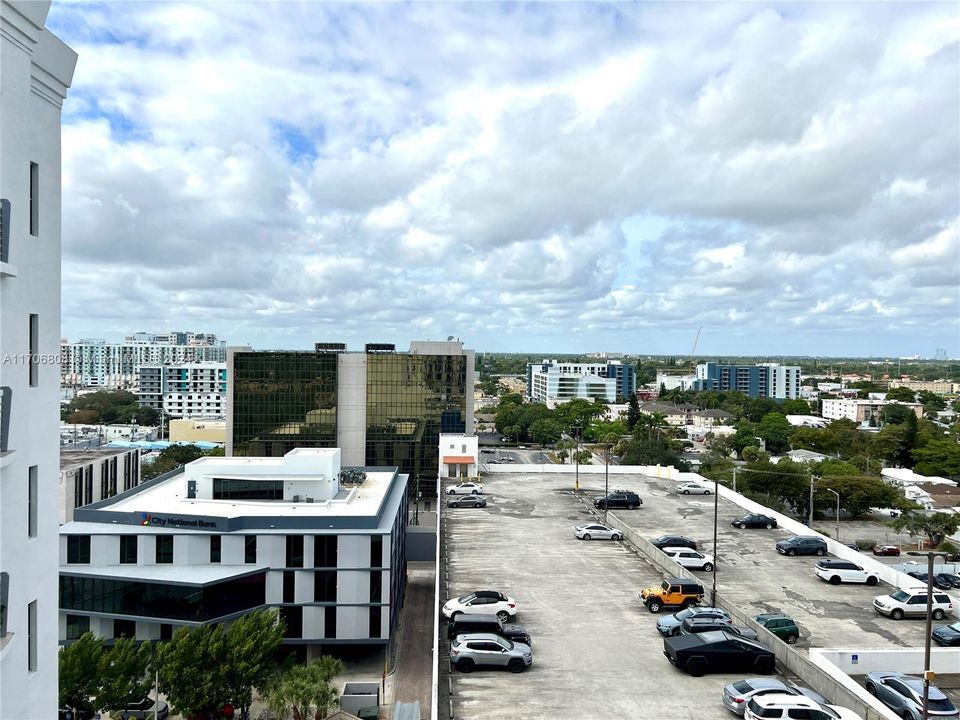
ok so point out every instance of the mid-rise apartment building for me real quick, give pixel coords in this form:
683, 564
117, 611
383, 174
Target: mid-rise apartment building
98, 363
185, 390
772, 380
381, 407
36, 69
940, 387
862, 411
553, 382
231, 535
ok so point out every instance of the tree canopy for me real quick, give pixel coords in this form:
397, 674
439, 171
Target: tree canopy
108, 407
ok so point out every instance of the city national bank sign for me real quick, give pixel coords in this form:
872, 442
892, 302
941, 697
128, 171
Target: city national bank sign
178, 521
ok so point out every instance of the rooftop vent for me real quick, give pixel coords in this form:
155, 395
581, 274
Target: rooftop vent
329, 347
380, 347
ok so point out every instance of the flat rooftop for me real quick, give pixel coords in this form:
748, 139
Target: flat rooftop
69, 458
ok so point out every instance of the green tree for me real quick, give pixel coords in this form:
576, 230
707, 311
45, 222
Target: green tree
173, 457
124, 674
938, 457
775, 432
193, 670
796, 407
562, 455
633, 411
745, 436
754, 454
80, 673
252, 645
858, 493
304, 692
936, 526
545, 431
903, 394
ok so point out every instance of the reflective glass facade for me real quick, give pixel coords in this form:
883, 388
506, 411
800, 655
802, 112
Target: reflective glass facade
282, 401
411, 399
137, 598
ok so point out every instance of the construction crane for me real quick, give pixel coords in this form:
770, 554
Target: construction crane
693, 350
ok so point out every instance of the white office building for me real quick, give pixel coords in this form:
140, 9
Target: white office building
89, 476
36, 69
184, 390
552, 382
230, 535
101, 364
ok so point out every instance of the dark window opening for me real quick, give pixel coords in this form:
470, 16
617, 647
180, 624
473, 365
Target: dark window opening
164, 549
325, 551
374, 627
289, 586
77, 625
330, 622
293, 619
376, 586
376, 551
34, 199
166, 631
34, 348
124, 628
128, 549
215, 544
325, 586
78, 549
249, 548
294, 550
230, 489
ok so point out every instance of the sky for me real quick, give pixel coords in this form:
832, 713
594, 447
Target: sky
548, 177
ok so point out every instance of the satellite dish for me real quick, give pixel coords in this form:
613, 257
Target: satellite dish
449, 338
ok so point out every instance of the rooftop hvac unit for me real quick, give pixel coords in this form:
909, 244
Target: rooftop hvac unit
296, 498
309, 499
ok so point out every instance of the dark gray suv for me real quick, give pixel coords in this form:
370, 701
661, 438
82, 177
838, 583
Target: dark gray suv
799, 545
619, 499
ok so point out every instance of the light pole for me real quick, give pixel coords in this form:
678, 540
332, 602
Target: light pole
927, 672
606, 481
838, 510
812, 478
577, 456
716, 552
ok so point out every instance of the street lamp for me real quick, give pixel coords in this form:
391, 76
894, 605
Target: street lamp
838, 510
716, 553
606, 480
577, 456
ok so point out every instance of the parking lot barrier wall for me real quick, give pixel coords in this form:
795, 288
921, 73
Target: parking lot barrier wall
664, 472
834, 661
886, 573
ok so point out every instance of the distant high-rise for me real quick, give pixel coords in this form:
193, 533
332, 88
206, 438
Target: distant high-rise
780, 382
98, 363
382, 408
36, 69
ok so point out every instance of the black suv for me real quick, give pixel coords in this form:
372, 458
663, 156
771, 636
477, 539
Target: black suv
618, 499
798, 545
465, 623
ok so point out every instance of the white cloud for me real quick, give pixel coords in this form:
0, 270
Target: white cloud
565, 176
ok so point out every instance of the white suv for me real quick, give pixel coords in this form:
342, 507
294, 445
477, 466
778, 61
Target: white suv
775, 706
912, 602
838, 571
690, 559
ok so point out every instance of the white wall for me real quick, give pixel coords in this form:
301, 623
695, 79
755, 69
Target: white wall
352, 408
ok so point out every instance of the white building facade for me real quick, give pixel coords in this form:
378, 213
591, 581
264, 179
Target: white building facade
102, 364
185, 390
36, 69
89, 476
552, 382
231, 535
862, 411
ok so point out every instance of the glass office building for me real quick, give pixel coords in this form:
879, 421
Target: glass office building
282, 401
381, 407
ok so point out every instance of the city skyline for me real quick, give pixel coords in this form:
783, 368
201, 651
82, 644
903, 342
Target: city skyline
563, 178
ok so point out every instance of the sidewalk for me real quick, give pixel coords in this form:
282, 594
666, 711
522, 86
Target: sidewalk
413, 679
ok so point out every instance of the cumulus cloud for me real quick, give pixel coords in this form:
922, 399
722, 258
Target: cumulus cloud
557, 177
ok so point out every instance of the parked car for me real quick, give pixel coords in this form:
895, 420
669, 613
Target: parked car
486, 602
937, 582
690, 559
948, 635
775, 707
465, 623
736, 695
672, 592
801, 545
838, 571
886, 550
951, 578
618, 499
692, 488
487, 650
904, 695
144, 710
465, 488
753, 520
673, 541
912, 602
467, 501
783, 626
694, 625
597, 531
670, 624
717, 651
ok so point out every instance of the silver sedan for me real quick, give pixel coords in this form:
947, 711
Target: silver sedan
692, 489
736, 695
596, 531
